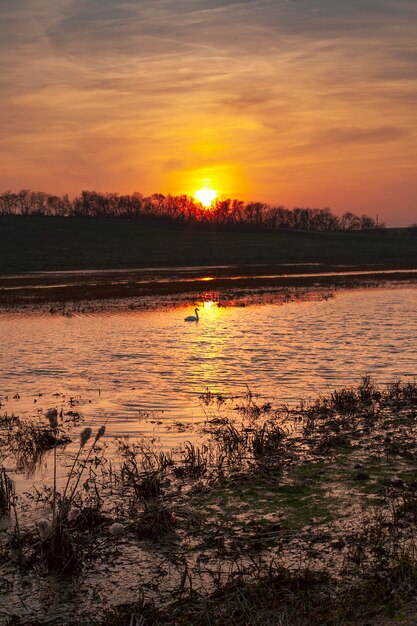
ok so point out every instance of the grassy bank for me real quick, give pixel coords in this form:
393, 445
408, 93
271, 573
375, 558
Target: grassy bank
302, 517
42, 243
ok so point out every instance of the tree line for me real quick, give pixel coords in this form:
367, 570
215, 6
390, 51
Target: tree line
224, 211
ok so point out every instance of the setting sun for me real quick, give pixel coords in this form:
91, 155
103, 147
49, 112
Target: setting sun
206, 196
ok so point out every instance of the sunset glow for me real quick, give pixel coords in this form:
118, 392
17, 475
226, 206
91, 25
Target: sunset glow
208, 285
206, 196
292, 103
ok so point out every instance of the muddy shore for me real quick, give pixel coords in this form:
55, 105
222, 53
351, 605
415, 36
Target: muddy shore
221, 283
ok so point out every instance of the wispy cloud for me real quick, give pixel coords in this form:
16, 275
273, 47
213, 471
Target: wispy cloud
266, 98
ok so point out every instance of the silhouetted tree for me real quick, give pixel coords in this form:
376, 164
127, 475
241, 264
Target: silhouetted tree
180, 209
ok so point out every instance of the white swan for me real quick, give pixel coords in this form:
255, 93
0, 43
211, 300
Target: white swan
193, 318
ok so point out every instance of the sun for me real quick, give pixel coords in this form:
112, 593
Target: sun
206, 196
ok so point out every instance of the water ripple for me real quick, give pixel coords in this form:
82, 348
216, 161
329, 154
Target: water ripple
129, 362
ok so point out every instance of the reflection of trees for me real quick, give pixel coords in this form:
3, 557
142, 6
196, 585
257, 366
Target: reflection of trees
182, 208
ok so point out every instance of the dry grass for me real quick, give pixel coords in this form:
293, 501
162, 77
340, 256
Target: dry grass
285, 516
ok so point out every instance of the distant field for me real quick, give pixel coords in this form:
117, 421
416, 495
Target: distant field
53, 243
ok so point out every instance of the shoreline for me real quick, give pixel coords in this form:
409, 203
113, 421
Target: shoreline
280, 519
224, 284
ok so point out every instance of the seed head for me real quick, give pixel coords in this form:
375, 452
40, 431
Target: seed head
44, 528
74, 513
100, 433
52, 416
116, 529
85, 436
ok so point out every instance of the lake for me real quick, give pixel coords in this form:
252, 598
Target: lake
143, 371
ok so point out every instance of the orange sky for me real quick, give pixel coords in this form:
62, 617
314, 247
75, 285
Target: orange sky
295, 102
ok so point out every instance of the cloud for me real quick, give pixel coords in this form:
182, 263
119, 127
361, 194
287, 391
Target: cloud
346, 136
162, 86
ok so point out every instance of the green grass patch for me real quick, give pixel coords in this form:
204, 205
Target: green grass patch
296, 499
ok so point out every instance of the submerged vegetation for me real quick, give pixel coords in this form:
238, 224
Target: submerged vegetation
268, 515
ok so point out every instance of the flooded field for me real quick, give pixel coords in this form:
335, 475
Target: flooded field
269, 454
119, 367
98, 290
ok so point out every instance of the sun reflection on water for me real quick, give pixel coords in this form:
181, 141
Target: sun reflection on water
117, 365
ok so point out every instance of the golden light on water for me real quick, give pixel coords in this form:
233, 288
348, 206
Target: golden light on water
206, 196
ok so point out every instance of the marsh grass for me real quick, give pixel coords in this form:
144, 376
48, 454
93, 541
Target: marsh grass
29, 442
292, 516
143, 467
281, 596
62, 548
156, 520
62, 542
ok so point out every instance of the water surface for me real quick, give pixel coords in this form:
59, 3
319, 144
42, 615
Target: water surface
116, 366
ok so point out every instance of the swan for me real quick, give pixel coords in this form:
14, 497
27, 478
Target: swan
193, 318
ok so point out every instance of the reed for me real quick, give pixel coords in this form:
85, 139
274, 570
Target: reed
6, 492
59, 546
